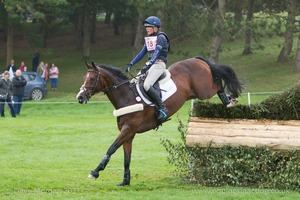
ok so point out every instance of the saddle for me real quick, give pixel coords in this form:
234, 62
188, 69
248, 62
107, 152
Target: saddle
165, 86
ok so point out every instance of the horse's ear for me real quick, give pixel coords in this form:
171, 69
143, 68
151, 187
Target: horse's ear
87, 65
94, 66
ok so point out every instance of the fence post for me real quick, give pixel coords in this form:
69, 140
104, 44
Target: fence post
249, 99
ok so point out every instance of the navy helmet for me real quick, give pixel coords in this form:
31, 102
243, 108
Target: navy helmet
152, 21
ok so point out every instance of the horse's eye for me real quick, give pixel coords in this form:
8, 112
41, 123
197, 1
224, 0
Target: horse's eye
92, 79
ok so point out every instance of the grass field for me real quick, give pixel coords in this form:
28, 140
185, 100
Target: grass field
48, 151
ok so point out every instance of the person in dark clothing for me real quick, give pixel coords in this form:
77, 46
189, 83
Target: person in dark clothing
6, 90
11, 65
35, 60
19, 83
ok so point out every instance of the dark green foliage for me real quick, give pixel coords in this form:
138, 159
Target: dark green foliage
235, 166
241, 166
284, 106
178, 154
213, 110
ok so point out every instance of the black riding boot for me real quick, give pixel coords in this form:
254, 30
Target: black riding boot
161, 107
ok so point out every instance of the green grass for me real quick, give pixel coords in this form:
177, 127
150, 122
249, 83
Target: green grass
48, 151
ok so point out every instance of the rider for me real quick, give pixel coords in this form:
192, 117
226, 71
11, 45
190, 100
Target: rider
157, 45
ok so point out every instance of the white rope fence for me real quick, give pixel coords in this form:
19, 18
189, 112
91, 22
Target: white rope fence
94, 102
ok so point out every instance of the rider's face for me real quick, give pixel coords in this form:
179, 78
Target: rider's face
150, 30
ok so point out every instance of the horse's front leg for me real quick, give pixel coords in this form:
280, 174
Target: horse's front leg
126, 136
112, 149
127, 147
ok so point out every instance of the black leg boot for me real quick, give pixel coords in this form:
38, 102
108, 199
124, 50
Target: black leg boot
225, 100
161, 107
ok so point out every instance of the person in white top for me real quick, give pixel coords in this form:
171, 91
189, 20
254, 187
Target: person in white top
53, 75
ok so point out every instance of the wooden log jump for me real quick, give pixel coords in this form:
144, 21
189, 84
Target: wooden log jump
273, 134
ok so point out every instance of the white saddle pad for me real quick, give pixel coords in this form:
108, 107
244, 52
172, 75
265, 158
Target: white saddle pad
167, 86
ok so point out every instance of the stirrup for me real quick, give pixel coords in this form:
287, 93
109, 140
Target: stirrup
162, 114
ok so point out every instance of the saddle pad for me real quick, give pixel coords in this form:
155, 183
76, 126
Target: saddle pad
168, 88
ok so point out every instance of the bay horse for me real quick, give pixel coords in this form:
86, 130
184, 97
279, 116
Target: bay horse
194, 78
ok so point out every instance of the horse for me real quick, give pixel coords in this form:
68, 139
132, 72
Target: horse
193, 77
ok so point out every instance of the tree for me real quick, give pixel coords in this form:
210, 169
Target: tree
40, 10
288, 40
217, 39
248, 37
139, 34
50, 16
13, 10
86, 30
297, 62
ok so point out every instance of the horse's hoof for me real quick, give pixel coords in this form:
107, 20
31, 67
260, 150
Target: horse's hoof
124, 183
93, 175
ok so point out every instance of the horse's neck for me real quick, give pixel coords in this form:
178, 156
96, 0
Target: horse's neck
121, 96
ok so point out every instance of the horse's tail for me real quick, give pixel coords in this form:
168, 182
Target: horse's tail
225, 74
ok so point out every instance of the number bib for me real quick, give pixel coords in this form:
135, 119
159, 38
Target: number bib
151, 43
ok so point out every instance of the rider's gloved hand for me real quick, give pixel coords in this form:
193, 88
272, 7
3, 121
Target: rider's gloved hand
128, 67
145, 69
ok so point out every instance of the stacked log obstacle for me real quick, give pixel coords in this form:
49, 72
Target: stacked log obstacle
215, 132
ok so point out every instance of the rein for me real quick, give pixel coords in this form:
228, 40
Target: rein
106, 89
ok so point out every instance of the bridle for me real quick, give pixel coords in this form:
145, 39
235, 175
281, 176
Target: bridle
83, 88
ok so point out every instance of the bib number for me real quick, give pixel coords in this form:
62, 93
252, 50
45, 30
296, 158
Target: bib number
151, 43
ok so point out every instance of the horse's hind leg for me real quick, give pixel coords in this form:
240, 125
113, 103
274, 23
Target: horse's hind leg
227, 101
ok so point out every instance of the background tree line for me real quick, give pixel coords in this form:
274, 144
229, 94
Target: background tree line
212, 21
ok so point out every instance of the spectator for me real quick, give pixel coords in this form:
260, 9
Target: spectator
23, 68
40, 69
46, 72
6, 91
11, 65
35, 60
43, 71
53, 74
19, 83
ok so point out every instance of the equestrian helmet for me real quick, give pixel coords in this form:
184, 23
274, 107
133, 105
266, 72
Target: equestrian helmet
152, 21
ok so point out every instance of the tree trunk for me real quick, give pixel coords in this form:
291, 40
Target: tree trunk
288, 40
248, 38
10, 44
108, 17
94, 26
86, 32
238, 17
297, 62
139, 35
79, 29
217, 39
44, 31
117, 21
161, 16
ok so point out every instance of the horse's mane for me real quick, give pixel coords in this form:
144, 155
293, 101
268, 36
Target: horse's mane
115, 71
